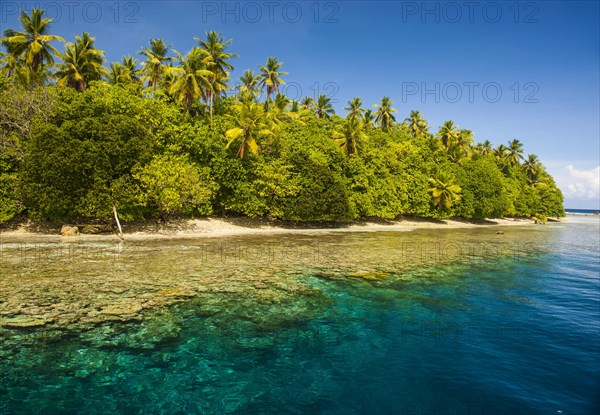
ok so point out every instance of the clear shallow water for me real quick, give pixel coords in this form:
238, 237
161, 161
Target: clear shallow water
428, 322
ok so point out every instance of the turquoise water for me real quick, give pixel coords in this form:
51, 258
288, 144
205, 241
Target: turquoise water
373, 328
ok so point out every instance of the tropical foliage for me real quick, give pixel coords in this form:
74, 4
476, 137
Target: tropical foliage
170, 136
82, 63
157, 59
31, 48
384, 117
270, 76
444, 190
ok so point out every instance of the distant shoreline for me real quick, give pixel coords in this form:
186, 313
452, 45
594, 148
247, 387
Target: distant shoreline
582, 212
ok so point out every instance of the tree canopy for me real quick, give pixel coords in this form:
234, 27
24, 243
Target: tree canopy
171, 137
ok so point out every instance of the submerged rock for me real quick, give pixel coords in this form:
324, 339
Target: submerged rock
25, 321
90, 229
368, 275
130, 309
260, 285
96, 229
68, 230
177, 292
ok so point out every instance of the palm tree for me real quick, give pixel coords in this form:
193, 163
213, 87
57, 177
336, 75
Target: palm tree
116, 74
34, 41
276, 109
448, 134
131, 70
251, 124
464, 139
532, 167
218, 86
9, 60
501, 153
29, 78
153, 67
169, 78
125, 72
270, 76
514, 152
417, 124
383, 115
460, 150
249, 84
281, 102
354, 109
484, 148
367, 120
323, 107
214, 47
284, 109
193, 78
444, 191
82, 63
350, 137
307, 103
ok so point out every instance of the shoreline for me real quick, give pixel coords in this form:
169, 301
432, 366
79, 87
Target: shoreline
212, 227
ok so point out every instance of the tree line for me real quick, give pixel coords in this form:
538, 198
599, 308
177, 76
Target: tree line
169, 137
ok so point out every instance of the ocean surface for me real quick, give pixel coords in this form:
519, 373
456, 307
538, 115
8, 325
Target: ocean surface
424, 322
582, 211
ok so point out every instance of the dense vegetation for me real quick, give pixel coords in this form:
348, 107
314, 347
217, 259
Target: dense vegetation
171, 138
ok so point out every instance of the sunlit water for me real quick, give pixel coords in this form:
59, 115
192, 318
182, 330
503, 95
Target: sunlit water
424, 322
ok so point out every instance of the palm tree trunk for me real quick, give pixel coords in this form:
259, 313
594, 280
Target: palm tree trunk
211, 110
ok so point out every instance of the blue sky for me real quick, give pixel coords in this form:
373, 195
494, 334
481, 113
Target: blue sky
504, 69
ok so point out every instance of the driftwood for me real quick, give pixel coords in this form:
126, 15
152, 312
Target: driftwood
118, 223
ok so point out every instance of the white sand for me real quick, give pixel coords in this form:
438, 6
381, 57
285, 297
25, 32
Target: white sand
216, 227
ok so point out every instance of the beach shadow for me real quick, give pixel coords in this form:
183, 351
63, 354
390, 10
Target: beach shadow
255, 223
22, 224
161, 226
473, 221
418, 219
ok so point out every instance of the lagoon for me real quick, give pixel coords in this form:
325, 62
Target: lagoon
430, 321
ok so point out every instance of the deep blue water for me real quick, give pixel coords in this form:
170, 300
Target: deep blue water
513, 334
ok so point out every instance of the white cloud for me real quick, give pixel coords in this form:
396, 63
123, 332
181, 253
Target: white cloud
579, 185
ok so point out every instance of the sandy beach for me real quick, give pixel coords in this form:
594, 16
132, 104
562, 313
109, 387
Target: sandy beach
222, 227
